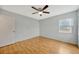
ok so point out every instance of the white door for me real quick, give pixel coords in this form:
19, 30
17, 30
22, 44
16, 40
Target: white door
7, 29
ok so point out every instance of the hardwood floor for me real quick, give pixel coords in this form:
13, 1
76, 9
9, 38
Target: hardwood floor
39, 45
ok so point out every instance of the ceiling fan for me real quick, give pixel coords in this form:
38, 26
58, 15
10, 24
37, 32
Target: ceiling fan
40, 11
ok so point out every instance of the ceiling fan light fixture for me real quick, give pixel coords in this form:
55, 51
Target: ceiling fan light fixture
40, 12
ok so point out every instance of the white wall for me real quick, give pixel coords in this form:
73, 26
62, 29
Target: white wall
50, 28
25, 28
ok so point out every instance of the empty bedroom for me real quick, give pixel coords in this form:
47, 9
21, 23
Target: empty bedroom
39, 29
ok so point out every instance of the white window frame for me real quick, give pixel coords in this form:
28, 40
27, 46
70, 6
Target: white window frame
66, 29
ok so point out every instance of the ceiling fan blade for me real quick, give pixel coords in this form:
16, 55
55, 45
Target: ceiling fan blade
46, 12
34, 12
35, 8
45, 7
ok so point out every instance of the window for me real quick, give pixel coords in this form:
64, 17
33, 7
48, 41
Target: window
65, 25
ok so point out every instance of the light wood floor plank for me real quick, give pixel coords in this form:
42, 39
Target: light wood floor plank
39, 45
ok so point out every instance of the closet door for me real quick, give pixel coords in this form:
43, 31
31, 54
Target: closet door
7, 29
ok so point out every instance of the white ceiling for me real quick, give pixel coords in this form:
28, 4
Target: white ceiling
53, 9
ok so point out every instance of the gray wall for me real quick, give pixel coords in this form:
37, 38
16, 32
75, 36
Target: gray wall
25, 28
50, 28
